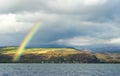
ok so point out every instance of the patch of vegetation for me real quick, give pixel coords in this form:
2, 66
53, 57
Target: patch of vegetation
56, 55
107, 58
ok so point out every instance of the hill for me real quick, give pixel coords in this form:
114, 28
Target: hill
56, 55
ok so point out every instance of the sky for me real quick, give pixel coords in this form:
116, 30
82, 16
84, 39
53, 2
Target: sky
71, 23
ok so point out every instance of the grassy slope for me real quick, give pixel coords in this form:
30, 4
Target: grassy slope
37, 51
56, 55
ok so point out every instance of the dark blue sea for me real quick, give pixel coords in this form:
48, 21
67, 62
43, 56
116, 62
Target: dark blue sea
59, 69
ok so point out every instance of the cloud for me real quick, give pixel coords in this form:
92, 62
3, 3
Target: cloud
9, 24
115, 41
58, 26
86, 41
94, 2
76, 41
73, 23
81, 41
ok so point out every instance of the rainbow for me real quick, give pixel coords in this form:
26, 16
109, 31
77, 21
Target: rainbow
26, 40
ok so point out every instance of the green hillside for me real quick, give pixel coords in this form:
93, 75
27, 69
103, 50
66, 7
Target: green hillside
55, 55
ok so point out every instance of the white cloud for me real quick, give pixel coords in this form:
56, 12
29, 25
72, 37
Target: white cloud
85, 41
33, 17
65, 5
7, 4
115, 41
9, 24
81, 41
6, 22
22, 22
94, 2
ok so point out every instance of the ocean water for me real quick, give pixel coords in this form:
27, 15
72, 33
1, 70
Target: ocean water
59, 69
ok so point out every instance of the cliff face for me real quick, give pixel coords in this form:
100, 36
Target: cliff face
54, 55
